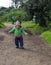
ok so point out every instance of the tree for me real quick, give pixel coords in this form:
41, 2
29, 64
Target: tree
16, 3
39, 8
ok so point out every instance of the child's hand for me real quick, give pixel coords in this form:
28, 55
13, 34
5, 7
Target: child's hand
26, 33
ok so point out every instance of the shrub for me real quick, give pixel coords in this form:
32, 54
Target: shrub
47, 36
2, 25
18, 14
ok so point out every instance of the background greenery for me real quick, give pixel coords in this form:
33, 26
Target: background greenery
47, 36
17, 13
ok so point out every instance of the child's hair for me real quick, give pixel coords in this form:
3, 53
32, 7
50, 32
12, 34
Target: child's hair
17, 22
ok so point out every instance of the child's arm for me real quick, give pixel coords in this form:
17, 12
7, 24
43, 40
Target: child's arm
27, 32
12, 30
24, 32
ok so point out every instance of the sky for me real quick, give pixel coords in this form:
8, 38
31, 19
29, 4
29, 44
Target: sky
5, 3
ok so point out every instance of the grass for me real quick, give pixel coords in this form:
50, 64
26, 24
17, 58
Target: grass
32, 26
7, 22
47, 36
2, 25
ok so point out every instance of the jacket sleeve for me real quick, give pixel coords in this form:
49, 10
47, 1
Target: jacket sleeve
23, 32
12, 30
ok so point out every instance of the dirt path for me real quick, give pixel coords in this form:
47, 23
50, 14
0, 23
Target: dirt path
36, 51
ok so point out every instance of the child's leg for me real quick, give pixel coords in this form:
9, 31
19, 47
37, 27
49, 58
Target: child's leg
21, 42
16, 42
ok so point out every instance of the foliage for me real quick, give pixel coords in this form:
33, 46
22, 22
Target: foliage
40, 9
47, 36
17, 13
1, 13
2, 25
16, 3
34, 27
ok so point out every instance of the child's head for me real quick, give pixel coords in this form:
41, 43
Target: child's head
18, 24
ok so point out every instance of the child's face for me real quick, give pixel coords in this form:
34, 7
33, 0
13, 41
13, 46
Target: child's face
17, 26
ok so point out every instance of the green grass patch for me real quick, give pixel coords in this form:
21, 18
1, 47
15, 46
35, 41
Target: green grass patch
32, 26
2, 25
7, 23
47, 36
28, 24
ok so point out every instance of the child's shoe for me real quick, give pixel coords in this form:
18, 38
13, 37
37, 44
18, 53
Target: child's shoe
21, 47
17, 47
